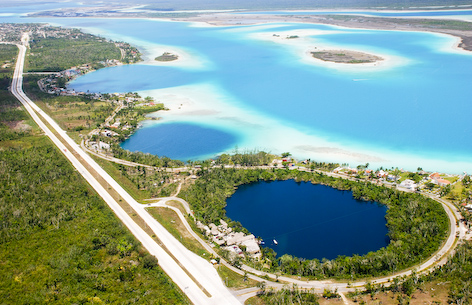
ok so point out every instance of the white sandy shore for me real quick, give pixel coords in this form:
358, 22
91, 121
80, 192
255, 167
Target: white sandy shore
188, 59
207, 105
307, 43
185, 59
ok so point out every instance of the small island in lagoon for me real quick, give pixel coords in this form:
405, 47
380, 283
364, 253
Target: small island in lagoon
166, 56
345, 56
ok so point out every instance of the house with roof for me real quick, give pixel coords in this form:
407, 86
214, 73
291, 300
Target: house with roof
443, 182
408, 184
436, 179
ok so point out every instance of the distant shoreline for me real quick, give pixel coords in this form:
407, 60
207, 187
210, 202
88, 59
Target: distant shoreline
464, 40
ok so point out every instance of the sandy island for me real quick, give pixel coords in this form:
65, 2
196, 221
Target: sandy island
345, 56
303, 42
338, 56
167, 56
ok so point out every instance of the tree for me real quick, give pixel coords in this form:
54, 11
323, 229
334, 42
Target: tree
445, 190
396, 173
262, 287
149, 261
429, 185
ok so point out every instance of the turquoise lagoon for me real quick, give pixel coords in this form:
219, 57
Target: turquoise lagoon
259, 91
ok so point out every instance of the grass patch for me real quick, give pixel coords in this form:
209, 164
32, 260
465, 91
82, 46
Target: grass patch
178, 205
233, 279
172, 223
125, 183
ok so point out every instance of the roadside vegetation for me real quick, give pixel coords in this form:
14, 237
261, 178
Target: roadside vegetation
73, 113
59, 242
458, 272
287, 295
171, 221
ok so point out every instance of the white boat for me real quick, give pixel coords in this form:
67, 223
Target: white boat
275, 242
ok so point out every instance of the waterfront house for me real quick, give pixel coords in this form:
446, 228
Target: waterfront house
408, 184
443, 182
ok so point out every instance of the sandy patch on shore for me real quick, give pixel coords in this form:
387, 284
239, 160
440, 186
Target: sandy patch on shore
207, 105
186, 59
342, 153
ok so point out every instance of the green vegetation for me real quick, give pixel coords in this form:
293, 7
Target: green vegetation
154, 182
8, 55
449, 283
458, 272
287, 295
72, 113
7, 62
59, 242
349, 58
417, 225
233, 279
245, 159
73, 49
54, 49
144, 158
171, 221
166, 56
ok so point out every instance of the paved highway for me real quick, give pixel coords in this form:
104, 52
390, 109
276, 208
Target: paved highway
196, 277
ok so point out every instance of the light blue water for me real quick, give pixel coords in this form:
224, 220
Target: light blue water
398, 109
309, 221
421, 108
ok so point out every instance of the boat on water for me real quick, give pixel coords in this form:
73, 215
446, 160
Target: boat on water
275, 242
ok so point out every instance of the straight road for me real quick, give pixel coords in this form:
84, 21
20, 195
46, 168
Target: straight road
196, 277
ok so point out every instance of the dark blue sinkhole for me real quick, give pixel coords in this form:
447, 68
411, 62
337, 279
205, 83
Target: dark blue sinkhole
309, 221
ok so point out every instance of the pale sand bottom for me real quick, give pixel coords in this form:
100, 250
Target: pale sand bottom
307, 43
209, 106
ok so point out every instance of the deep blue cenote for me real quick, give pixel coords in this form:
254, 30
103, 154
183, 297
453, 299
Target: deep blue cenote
309, 221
